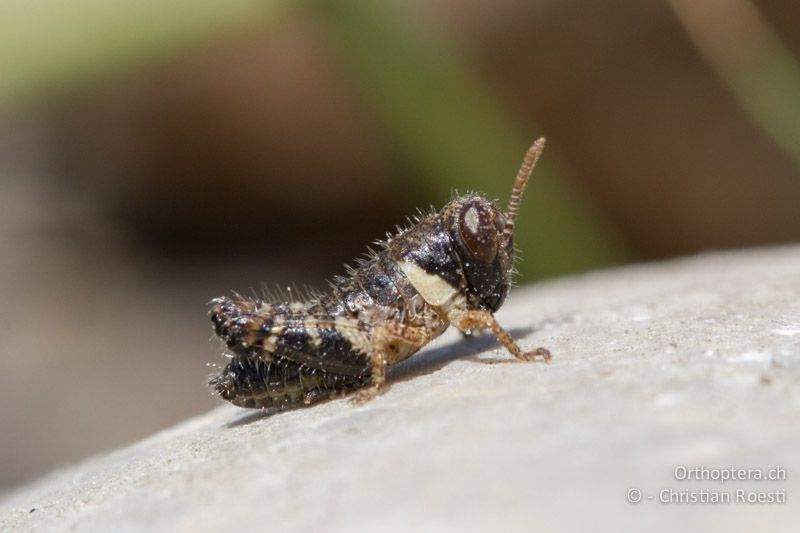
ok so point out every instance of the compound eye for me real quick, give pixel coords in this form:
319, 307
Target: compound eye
476, 227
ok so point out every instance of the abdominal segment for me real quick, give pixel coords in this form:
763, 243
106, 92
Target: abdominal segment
255, 382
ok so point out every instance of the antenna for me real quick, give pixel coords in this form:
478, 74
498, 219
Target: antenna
525, 170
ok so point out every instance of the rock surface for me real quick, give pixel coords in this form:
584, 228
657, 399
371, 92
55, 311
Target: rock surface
693, 362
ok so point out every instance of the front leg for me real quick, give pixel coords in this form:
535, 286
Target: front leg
469, 320
386, 339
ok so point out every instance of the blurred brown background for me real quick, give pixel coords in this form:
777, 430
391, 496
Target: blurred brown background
154, 157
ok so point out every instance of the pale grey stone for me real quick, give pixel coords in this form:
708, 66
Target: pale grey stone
691, 362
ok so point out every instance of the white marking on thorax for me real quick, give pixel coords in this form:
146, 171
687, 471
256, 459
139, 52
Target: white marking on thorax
434, 289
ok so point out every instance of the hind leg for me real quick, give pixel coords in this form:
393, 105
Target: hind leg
386, 340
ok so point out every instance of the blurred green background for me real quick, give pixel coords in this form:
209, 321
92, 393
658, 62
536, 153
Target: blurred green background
154, 155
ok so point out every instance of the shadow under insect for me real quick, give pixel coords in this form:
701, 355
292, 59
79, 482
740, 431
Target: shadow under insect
469, 347
427, 362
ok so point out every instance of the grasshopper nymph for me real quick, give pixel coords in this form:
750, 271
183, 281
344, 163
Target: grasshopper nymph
453, 267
